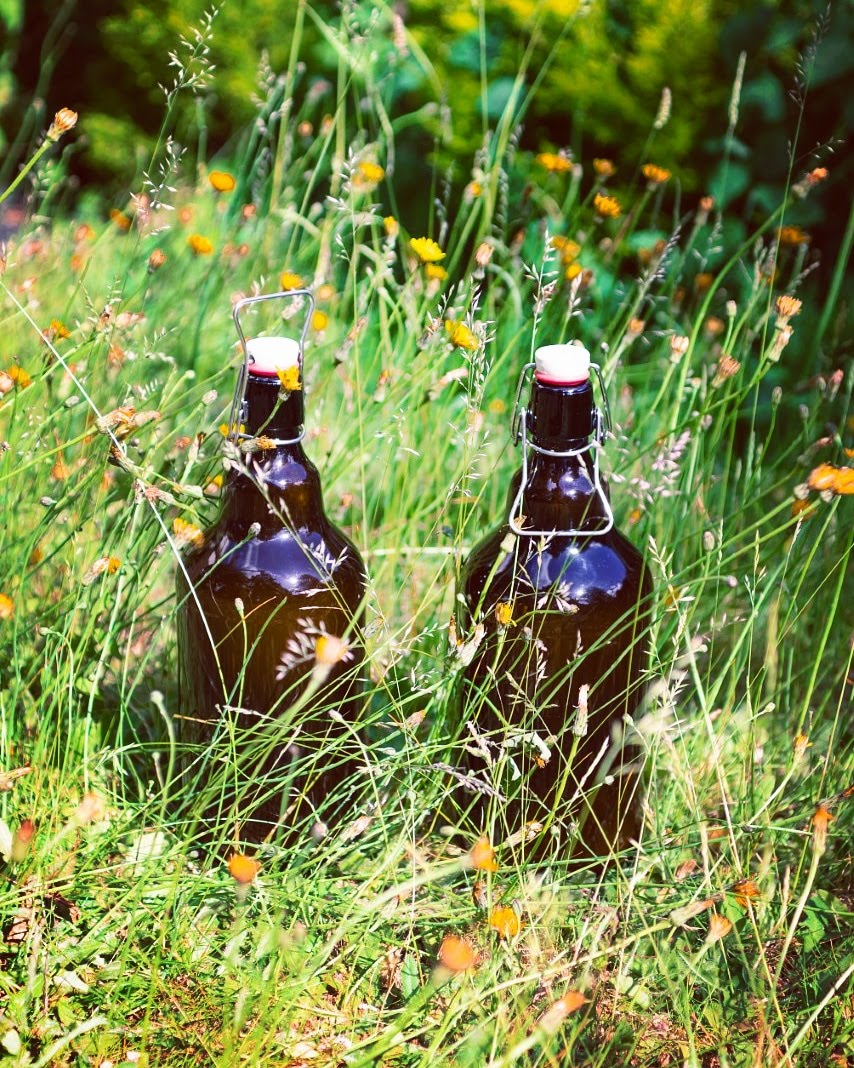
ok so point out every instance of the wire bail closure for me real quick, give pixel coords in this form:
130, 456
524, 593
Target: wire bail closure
519, 431
235, 434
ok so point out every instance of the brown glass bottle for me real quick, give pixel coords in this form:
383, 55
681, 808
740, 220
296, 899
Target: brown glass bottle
556, 621
271, 665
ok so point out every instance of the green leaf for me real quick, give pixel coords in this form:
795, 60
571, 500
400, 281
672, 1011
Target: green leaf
728, 182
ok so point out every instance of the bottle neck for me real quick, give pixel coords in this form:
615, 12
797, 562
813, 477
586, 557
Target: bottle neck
560, 493
281, 486
266, 413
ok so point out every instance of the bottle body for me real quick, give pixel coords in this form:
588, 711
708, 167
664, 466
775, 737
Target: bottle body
556, 622
270, 674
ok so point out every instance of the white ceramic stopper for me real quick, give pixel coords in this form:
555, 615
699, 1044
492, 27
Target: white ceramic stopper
562, 365
269, 355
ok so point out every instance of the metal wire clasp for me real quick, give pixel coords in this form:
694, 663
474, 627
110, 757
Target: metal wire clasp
519, 430
235, 418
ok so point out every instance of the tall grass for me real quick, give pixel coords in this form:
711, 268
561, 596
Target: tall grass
724, 935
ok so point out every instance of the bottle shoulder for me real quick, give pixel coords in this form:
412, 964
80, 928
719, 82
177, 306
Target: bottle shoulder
581, 572
308, 559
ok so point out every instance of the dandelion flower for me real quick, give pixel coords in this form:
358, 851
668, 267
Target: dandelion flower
607, 207
555, 162
289, 377
654, 174
244, 870
604, 168
64, 120
457, 954
7, 606
504, 613
426, 249
572, 271
460, 335
504, 921
367, 175
567, 248
290, 280
319, 320
435, 272
482, 855
222, 181
200, 245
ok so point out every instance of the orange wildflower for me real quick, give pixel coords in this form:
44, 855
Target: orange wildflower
222, 181
200, 245
504, 921
839, 480
555, 162
120, 219
7, 606
156, 260
793, 235
457, 954
744, 891
654, 174
607, 207
604, 168
719, 927
482, 856
821, 820
64, 120
243, 869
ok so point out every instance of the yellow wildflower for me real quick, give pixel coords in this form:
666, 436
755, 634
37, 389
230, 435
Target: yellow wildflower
504, 613
567, 248
391, 226
572, 271
654, 174
187, 533
7, 606
801, 742
460, 335
367, 175
473, 190
607, 207
200, 245
604, 168
289, 280
482, 856
426, 249
289, 377
58, 330
244, 870
555, 162
319, 320
64, 120
504, 921
222, 181
19, 376
436, 272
